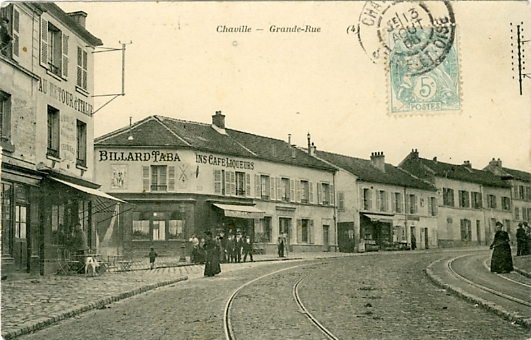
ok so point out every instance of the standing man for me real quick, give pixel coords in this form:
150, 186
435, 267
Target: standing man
5, 36
80, 240
238, 249
521, 240
247, 249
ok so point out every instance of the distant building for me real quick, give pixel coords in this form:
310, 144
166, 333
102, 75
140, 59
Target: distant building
46, 72
186, 178
381, 206
470, 200
520, 182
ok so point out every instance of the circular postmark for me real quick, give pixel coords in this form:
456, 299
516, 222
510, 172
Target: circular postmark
416, 35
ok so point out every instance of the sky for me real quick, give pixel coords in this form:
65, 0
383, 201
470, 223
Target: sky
323, 83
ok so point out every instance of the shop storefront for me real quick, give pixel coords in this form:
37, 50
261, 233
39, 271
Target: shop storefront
376, 231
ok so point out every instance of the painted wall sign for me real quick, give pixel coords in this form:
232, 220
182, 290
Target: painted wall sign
153, 156
225, 162
65, 97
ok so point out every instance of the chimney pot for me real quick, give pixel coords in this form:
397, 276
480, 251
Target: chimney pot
219, 120
289, 139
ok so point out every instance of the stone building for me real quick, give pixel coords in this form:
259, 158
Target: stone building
46, 72
471, 201
381, 206
185, 178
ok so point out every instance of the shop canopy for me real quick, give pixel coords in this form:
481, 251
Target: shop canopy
88, 190
240, 211
379, 218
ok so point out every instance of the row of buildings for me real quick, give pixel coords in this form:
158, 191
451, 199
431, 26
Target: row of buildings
161, 180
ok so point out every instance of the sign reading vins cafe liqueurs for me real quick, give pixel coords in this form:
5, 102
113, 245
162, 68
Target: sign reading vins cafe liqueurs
127, 156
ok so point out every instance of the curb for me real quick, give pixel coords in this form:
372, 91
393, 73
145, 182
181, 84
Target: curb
90, 306
522, 272
487, 305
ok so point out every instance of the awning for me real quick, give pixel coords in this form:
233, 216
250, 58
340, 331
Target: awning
241, 211
379, 218
87, 190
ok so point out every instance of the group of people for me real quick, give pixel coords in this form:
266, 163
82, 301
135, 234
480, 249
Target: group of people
212, 251
523, 239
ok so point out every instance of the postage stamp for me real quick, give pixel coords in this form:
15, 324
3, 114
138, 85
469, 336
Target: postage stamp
423, 70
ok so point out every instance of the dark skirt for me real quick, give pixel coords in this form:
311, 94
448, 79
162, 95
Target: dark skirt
502, 260
212, 266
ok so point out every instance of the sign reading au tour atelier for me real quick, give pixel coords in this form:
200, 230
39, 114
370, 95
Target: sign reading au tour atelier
153, 156
225, 162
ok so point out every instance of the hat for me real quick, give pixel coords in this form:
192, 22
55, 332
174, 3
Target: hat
520, 224
499, 224
152, 247
525, 223
4, 19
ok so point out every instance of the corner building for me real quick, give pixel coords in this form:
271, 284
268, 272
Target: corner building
185, 178
46, 84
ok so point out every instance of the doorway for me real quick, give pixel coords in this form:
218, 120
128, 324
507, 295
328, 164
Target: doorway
326, 231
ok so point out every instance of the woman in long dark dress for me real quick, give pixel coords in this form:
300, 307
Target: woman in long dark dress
211, 249
502, 260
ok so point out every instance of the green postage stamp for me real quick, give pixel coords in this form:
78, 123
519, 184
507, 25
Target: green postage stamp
423, 70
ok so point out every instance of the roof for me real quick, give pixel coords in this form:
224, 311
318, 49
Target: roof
367, 172
518, 175
422, 167
159, 131
71, 23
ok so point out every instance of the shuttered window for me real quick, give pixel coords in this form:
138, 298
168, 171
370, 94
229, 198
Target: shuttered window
171, 178
145, 178
44, 43
217, 181
16, 33
248, 185
64, 66
82, 66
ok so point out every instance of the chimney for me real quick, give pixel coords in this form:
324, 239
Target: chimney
289, 139
308, 136
378, 160
219, 120
313, 148
414, 153
467, 164
496, 163
80, 17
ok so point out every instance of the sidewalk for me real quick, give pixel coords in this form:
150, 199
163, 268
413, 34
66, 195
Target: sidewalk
29, 304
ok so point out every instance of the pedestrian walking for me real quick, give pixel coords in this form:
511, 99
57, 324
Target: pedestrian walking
413, 242
280, 247
248, 249
194, 258
152, 256
521, 240
238, 248
211, 249
501, 261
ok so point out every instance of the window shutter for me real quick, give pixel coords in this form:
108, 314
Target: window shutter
341, 200
361, 200
378, 203
85, 68
248, 185
217, 181
257, 186
279, 189
310, 231
44, 42
332, 195
171, 178
79, 78
407, 204
16, 33
272, 191
415, 207
393, 202
319, 193
65, 56
370, 199
145, 178
298, 190
292, 191
227, 188
299, 230
386, 197
233, 182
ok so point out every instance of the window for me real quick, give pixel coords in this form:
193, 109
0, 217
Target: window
54, 49
5, 116
81, 151
262, 232
7, 219
10, 45
398, 202
284, 226
466, 230
491, 201
325, 193
525, 216
176, 225
218, 176
412, 204
240, 183
506, 203
528, 193
382, 200
159, 226
521, 192
477, 200
464, 199
285, 190
265, 187
158, 178
478, 230
82, 61
305, 229
367, 199
448, 197
341, 200
516, 213
140, 226
53, 132
305, 192
432, 206
20, 221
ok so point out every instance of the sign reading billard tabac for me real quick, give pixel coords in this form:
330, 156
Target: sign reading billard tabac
154, 156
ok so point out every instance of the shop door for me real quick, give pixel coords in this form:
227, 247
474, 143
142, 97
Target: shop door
20, 242
326, 230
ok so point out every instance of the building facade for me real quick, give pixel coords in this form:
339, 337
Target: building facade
471, 201
46, 72
185, 178
381, 207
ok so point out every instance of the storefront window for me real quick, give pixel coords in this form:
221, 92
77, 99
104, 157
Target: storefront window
58, 228
140, 226
176, 226
262, 232
20, 221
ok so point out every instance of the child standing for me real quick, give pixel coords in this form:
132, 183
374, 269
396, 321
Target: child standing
152, 256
